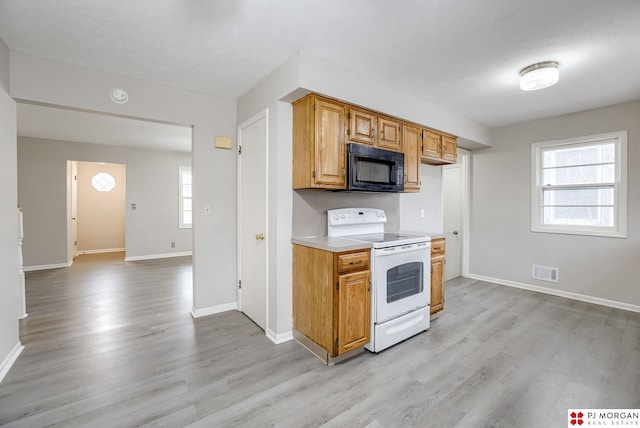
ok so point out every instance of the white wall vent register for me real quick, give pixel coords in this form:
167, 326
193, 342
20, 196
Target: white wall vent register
545, 273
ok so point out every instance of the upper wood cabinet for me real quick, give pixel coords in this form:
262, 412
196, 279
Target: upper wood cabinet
449, 148
389, 134
438, 149
322, 127
362, 126
367, 127
318, 143
412, 142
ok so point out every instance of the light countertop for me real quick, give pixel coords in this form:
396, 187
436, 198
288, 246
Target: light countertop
328, 243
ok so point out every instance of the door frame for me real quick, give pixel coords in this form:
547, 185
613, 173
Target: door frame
264, 114
464, 160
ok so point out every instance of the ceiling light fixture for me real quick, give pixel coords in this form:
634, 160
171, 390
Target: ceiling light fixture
539, 76
119, 95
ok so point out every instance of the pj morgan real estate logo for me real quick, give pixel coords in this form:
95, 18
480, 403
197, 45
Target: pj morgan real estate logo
603, 418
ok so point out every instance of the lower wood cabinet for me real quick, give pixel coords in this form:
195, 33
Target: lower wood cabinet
437, 275
332, 298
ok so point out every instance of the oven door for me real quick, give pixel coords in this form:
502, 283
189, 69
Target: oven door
402, 280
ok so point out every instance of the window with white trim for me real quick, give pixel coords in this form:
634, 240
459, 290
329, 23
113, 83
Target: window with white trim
579, 185
185, 198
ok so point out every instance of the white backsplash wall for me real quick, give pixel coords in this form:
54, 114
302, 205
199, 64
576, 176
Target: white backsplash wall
310, 208
428, 200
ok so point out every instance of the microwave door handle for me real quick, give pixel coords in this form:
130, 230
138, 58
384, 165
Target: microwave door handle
395, 174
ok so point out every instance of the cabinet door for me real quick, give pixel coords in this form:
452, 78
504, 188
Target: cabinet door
329, 150
449, 148
411, 143
362, 127
437, 284
431, 144
389, 134
354, 309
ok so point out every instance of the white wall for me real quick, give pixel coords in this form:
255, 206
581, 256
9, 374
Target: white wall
214, 170
151, 183
310, 208
502, 244
10, 299
298, 76
101, 214
422, 211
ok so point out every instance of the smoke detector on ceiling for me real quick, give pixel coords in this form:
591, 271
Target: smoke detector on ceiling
119, 95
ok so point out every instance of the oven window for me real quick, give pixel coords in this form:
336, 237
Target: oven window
404, 281
372, 171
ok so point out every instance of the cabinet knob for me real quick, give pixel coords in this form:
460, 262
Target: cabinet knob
260, 237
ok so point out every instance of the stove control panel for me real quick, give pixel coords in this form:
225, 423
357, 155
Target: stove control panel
353, 216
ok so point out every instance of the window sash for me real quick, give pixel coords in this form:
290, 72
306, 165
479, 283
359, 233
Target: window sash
185, 201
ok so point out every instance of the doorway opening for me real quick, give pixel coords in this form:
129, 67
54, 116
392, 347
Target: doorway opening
97, 198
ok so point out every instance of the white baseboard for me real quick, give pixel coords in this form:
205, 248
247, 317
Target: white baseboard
105, 250
560, 293
157, 256
10, 359
279, 338
43, 267
203, 312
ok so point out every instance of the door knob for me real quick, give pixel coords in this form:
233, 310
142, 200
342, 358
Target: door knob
455, 232
260, 237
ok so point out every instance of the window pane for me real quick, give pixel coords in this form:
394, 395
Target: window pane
579, 216
579, 155
580, 175
595, 196
186, 217
186, 191
103, 182
186, 204
186, 177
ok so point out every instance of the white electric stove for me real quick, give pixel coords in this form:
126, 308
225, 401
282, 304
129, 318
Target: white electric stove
400, 274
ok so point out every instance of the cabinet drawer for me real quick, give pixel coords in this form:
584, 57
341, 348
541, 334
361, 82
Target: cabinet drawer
353, 261
437, 247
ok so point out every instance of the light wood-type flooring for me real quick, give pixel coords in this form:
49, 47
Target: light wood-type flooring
112, 344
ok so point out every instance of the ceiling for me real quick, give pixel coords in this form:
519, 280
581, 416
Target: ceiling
464, 56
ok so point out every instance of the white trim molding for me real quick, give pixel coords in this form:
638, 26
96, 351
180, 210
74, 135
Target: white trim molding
105, 250
157, 256
45, 267
10, 359
279, 338
211, 310
559, 293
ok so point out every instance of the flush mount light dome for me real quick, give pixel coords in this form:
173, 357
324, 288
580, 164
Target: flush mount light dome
539, 76
119, 95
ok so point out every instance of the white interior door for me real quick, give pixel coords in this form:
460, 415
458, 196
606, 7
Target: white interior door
252, 209
452, 189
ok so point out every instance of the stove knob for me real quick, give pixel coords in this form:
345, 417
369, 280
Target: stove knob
377, 213
343, 216
382, 214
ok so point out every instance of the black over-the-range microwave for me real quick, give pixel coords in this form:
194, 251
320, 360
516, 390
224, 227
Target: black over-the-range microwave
374, 170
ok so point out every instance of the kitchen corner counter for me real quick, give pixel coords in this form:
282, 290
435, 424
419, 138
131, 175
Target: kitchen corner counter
328, 243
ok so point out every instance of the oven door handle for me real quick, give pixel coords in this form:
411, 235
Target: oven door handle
382, 252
